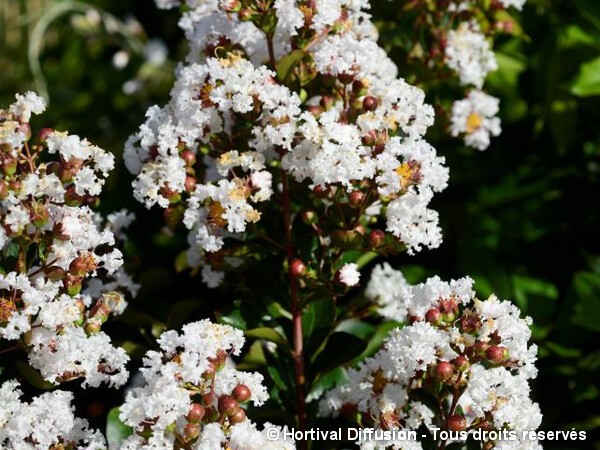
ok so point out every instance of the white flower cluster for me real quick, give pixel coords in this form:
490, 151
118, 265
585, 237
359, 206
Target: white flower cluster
47, 423
193, 394
470, 352
56, 300
229, 88
475, 119
208, 157
469, 54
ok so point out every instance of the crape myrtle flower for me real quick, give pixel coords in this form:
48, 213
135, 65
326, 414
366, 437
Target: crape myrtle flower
470, 358
62, 270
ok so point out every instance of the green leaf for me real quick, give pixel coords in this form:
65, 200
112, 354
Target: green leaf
232, 315
587, 81
181, 311
12, 250
376, 341
287, 64
562, 351
586, 286
330, 380
341, 348
116, 431
33, 376
317, 322
268, 334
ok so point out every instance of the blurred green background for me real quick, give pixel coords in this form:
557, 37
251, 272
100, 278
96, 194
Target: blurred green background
522, 218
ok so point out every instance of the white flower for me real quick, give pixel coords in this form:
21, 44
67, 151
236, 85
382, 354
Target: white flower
469, 54
47, 421
27, 104
390, 290
349, 274
475, 118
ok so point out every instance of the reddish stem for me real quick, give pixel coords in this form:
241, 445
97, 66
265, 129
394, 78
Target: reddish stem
297, 338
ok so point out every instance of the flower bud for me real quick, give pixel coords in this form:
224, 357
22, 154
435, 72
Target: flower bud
190, 184
461, 363
433, 316
72, 284
231, 6
315, 110
43, 135
297, 268
345, 78
189, 157
246, 15
239, 415
358, 86
227, 405
443, 370
327, 101
72, 198
370, 139
208, 399
196, 413
457, 422
92, 327
376, 238
320, 191
241, 393
496, 354
370, 103
39, 215
449, 310
308, 217
191, 431
356, 199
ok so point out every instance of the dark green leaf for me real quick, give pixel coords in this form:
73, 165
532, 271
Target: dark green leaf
33, 376
341, 348
288, 62
116, 431
180, 312
232, 315
268, 334
586, 288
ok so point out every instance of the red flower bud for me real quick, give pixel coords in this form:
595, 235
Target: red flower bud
356, 198
370, 103
190, 184
297, 268
239, 415
191, 431
457, 423
196, 413
376, 238
443, 370
496, 354
433, 316
227, 405
320, 191
461, 363
241, 393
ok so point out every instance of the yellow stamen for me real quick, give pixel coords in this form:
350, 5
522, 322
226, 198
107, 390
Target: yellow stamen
473, 122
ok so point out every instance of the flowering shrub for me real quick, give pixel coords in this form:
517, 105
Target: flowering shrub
289, 147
